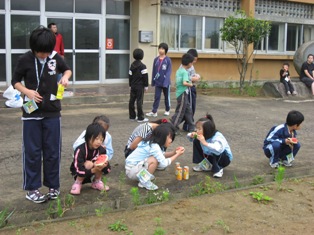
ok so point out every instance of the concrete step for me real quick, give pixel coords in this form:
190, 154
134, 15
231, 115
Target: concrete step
277, 90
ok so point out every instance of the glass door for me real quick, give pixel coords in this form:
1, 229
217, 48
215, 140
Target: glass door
81, 43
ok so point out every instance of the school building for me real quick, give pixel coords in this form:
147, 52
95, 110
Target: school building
100, 35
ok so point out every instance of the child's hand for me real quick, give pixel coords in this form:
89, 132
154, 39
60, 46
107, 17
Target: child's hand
201, 138
145, 89
104, 146
88, 165
193, 135
180, 150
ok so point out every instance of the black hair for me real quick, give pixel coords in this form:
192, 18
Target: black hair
187, 59
294, 118
159, 136
102, 118
164, 46
138, 54
286, 63
51, 24
171, 128
159, 121
93, 130
42, 39
193, 52
209, 127
309, 55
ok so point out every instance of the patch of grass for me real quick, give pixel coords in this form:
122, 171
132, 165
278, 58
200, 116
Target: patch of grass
118, 226
101, 211
260, 197
55, 209
223, 225
136, 197
236, 182
159, 230
202, 84
69, 200
5, 214
258, 179
279, 176
207, 186
157, 196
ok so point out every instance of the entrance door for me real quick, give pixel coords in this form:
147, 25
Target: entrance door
81, 43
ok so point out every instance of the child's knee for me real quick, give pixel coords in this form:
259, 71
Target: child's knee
88, 165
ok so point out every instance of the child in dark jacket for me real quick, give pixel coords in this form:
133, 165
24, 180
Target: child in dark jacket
138, 82
280, 143
285, 79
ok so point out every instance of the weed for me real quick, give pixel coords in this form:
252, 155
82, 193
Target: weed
260, 197
265, 188
101, 211
118, 226
157, 196
136, 197
55, 208
72, 223
236, 182
258, 179
279, 176
224, 226
69, 201
202, 84
159, 230
207, 186
4, 216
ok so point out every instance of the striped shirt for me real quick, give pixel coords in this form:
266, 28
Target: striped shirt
144, 130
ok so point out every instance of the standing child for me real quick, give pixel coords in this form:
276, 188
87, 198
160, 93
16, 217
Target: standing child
209, 144
42, 119
150, 154
138, 82
183, 83
285, 79
280, 144
83, 167
161, 80
194, 77
107, 144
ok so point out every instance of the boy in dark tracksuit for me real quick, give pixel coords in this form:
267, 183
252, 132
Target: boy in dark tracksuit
278, 145
42, 126
138, 82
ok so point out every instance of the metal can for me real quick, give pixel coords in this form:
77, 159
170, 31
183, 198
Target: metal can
179, 173
60, 92
176, 165
186, 173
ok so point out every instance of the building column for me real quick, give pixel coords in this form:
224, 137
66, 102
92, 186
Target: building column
145, 16
248, 6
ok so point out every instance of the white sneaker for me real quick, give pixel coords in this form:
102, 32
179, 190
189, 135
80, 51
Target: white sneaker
151, 114
288, 93
294, 93
133, 119
274, 165
149, 185
198, 168
219, 174
167, 113
144, 120
286, 163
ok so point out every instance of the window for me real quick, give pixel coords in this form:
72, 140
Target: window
83, 6
212, 33
2, 68
59, 5
292, 37
2, 4
2, 32
114, 7
276, 37
87, 34
169, 25
29, 5
21, 28
117, 66
119, 30
308, 33
191, 32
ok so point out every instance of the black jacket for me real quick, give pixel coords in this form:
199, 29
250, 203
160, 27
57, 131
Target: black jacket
138, 75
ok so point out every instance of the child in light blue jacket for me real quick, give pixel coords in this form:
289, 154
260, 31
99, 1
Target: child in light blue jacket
210, 144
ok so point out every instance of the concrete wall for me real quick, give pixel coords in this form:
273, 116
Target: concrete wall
145, 17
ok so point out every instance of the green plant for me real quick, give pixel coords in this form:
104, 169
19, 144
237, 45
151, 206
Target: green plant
260, 197
118, 226
224, 226
258, 179
4, 216
202, 84
159, 230
55, 208
136, 197
236, 182
69, 201
279, 176
101, 211
207, 186
157, 196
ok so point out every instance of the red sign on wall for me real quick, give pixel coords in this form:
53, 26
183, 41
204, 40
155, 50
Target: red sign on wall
109, 43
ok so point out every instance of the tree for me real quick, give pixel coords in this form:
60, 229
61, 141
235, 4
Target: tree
241, 31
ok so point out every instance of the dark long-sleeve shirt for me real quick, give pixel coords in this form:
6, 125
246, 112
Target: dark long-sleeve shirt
138, 75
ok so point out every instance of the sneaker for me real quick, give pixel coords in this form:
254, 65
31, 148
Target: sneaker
98, 185
219, 174
294, 93
274, 165
152, 177
36, 196
151, 114
53, 194
133, 119
149, 185
166, 113
288, 93
161, 168
198, 168
144, 120
286, 163
76, 188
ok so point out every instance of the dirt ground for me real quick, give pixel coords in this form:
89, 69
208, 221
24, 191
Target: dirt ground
289, 212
